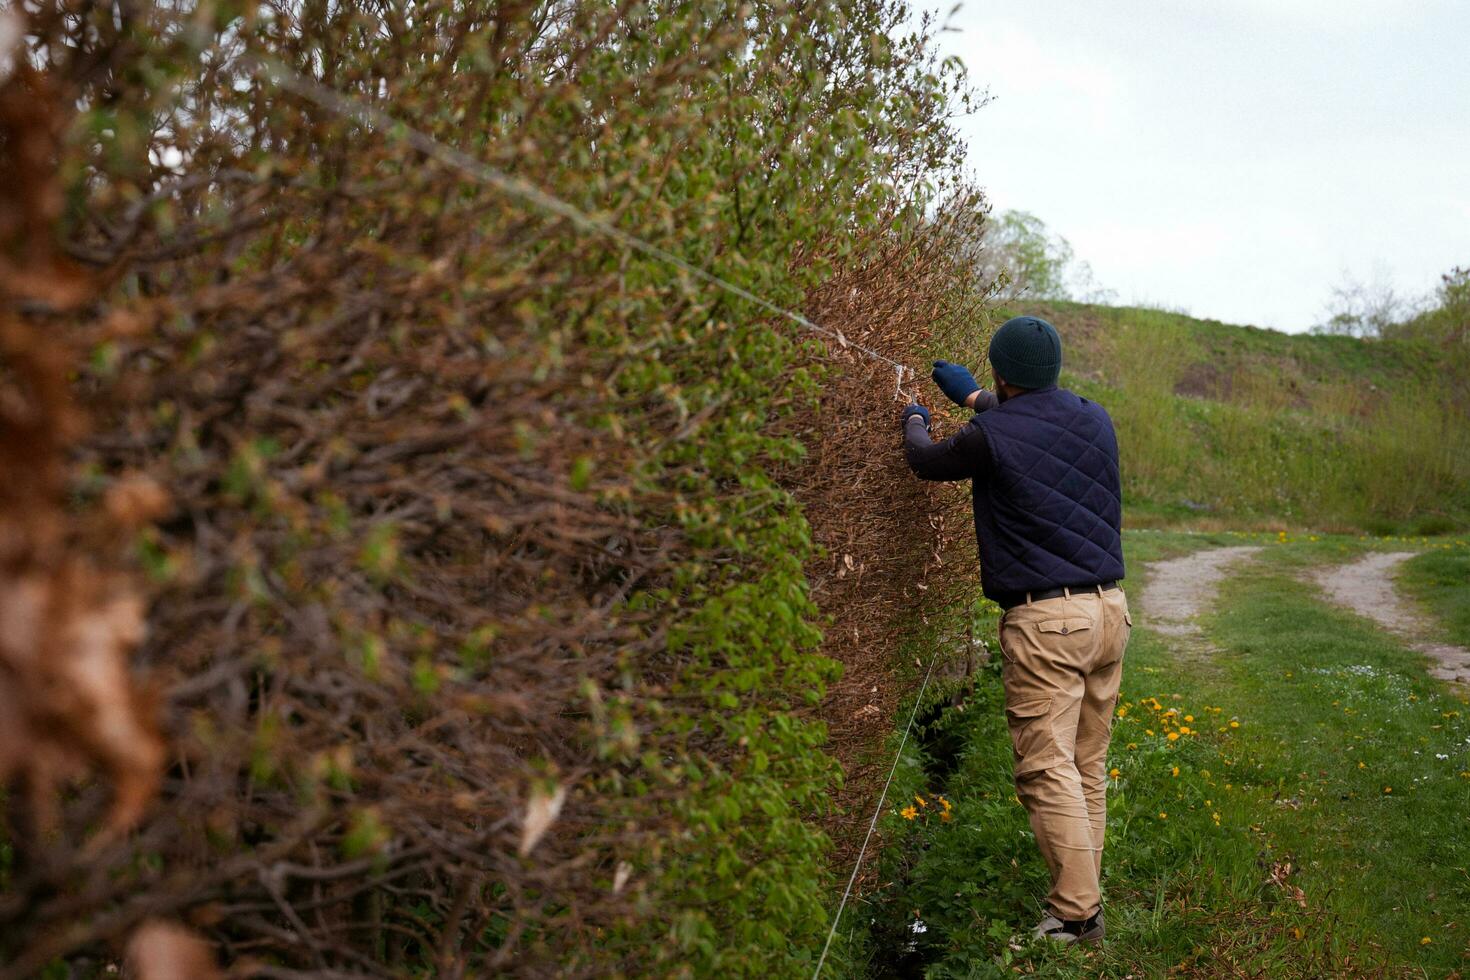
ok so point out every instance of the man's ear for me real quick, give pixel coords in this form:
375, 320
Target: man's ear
1001, 393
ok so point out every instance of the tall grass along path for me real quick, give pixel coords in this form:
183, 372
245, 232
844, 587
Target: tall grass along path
877, 811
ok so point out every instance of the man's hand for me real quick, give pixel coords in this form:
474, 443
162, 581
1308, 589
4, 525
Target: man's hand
956, 382
910, 411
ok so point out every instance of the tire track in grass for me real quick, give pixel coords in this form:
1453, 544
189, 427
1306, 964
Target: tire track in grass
1180, 589
1367, 588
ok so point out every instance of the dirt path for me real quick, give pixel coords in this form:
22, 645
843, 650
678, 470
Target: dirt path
1179, 589
1366, 587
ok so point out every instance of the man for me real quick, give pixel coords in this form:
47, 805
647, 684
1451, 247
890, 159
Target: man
1048, 515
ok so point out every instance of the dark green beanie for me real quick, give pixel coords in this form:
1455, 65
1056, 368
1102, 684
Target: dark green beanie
1027, 352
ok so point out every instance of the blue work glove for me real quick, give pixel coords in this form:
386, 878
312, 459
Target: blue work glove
955, 381
916, 409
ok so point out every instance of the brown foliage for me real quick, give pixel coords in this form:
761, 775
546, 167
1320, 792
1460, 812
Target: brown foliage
68, 704
893, 546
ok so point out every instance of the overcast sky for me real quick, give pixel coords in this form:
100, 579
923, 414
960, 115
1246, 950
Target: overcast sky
1231, 157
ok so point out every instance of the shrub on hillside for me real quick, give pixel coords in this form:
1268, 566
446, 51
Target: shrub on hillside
1447, 321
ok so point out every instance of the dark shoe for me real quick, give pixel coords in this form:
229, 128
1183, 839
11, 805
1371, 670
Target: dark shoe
1069, 933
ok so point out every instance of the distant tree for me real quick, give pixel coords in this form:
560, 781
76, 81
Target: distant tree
1021, 255
1365, 309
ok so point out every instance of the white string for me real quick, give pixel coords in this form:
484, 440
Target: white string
347, 106
873, 824
375, 118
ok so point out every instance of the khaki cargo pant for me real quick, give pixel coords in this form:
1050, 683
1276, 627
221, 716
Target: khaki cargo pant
1063, 663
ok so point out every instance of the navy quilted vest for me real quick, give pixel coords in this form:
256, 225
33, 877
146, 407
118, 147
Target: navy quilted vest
1050, 510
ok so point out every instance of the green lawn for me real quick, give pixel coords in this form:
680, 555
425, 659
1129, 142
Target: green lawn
1440, 579
1313, 821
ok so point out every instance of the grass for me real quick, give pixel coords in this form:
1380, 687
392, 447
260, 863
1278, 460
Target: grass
1242, 427
1311, 823
1377, 758
1440, 580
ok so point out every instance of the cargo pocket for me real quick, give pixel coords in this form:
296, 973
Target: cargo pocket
1065, 627
1031, 735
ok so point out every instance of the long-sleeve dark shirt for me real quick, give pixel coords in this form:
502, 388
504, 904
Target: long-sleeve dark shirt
963, 456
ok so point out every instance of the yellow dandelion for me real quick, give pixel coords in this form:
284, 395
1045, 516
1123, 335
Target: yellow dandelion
1163, 815
920, 800
1148, 731
1114, 773
1173, 736
1176, 770
944, 816
1362, 764
1425, 941
1189, 717
1122, 712
1388, 789
908, 813
1235, 724
1133, 745
1185, 730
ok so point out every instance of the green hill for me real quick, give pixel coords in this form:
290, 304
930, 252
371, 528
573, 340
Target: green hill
1227, 426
